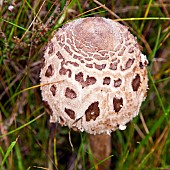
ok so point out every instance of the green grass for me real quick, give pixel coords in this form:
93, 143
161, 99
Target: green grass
27, 139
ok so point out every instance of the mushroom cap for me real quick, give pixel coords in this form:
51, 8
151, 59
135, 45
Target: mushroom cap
94, 76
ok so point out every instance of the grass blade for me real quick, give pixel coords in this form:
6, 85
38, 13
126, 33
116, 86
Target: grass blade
8, 152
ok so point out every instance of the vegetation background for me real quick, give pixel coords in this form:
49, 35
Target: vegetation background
27, 139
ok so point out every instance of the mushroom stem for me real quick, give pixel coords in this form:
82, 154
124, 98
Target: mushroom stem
101, 149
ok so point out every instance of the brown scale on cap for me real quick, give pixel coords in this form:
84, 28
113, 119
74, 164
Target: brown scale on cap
51, 48
50, 71
136, 82
89, 80
95, 72
70, 113
117, 104
106, 81
92, 112
70, 93
53, 90
118, 82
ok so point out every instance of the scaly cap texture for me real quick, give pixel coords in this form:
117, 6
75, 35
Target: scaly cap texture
95, 76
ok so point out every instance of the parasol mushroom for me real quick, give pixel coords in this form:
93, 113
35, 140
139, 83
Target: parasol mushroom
94, 76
